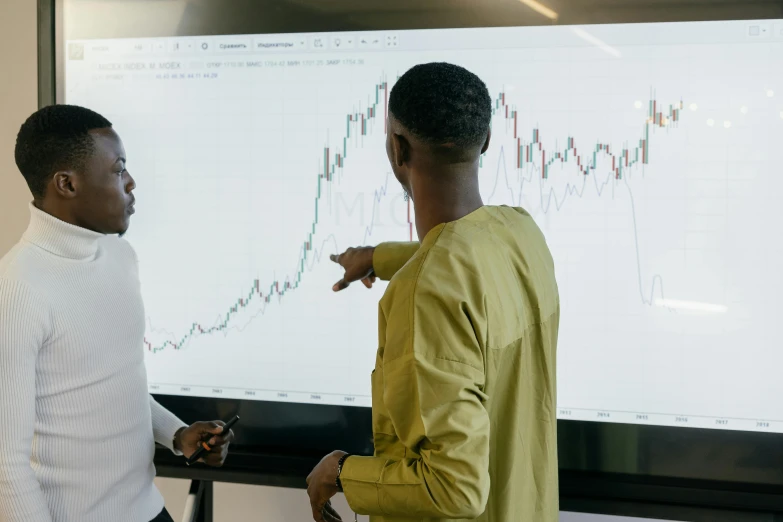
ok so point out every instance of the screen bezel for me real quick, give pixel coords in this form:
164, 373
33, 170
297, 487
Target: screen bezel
651, 457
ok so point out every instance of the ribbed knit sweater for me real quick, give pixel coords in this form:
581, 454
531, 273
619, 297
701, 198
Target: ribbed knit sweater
79, 426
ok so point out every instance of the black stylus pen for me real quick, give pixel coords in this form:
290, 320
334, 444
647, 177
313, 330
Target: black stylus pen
204, 447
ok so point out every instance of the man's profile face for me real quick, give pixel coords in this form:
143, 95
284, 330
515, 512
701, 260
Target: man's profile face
105, 201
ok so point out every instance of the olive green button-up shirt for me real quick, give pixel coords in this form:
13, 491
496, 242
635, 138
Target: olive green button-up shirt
463, 391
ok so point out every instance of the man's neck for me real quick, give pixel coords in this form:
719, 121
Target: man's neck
54, 209
442, 197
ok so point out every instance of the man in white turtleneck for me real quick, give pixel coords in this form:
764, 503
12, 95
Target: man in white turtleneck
79, 427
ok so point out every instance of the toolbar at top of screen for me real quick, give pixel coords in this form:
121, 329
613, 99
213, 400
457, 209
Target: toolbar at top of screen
296, 43
764, 31
246, 44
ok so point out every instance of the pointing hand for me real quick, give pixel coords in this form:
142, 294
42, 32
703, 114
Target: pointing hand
357, 263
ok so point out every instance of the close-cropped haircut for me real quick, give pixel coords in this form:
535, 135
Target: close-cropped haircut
53, 139
443, 105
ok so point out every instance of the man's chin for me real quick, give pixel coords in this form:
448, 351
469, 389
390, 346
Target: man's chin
123, 230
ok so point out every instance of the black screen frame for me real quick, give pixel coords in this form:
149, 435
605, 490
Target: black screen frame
605, 467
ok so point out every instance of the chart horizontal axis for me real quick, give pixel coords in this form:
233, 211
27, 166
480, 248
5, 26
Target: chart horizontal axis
259, 394
670, 419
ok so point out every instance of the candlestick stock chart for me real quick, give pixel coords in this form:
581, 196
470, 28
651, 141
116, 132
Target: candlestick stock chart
642, 167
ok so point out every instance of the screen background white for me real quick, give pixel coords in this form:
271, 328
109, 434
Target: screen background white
668, 279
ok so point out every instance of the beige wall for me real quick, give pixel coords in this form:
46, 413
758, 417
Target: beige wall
18, 99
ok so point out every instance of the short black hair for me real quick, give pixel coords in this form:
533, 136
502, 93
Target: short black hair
55, 138
442, 103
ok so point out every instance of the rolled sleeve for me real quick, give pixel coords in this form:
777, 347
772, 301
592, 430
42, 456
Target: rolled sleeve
360, 477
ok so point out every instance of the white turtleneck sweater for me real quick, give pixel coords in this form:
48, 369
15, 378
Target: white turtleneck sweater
78, 424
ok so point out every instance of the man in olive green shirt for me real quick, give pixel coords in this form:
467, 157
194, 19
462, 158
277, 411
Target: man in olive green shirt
464, 387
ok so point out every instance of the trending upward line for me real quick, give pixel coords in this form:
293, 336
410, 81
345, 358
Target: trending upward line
529, 156
358, 124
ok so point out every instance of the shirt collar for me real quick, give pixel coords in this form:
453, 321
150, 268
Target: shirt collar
61, 238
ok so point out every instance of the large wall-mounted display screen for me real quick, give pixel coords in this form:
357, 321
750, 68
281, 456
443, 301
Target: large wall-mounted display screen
648, 153
643, 137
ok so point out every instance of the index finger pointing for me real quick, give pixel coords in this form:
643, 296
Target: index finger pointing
335, 258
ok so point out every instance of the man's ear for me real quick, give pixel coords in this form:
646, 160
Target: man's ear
400, 150
486, 143
65, 184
